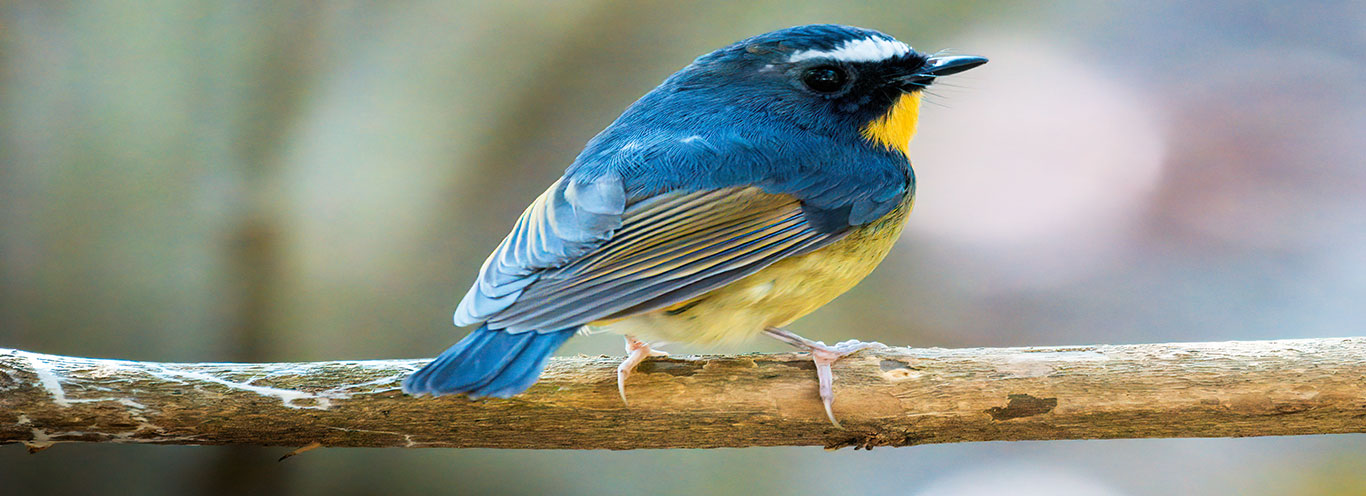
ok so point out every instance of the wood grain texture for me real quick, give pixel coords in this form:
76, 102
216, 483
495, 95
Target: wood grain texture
889, 397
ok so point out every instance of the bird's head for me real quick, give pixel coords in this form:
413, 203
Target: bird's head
839, 81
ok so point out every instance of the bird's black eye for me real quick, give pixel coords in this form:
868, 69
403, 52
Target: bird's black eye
824, 79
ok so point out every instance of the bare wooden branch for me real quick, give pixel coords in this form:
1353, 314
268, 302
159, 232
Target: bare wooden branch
891, 397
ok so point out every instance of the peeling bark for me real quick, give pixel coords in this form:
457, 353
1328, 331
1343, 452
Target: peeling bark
890, 397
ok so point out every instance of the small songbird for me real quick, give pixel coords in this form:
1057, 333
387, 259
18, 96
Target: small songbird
747, 190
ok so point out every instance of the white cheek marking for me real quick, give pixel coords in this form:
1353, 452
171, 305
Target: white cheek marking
864, 50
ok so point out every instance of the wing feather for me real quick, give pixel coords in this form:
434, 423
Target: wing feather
668, 249
569, 220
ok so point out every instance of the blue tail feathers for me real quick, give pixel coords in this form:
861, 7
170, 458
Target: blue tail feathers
488, 362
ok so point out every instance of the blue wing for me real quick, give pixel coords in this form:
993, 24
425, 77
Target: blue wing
569, 220
666, 249
670, 249
659, 217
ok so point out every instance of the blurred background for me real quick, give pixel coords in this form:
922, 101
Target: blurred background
196, 180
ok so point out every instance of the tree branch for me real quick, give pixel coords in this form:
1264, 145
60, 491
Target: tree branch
891, 397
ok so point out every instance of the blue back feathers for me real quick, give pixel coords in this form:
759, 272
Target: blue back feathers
735, 117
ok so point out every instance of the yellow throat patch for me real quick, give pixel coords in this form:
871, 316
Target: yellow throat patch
895, 129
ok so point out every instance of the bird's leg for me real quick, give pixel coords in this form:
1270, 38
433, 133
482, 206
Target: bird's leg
823, 355
636, 352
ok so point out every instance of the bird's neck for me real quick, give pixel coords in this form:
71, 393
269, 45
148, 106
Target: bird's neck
895, 128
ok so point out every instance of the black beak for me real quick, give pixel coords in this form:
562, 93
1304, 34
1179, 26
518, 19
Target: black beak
941, 66
951, 64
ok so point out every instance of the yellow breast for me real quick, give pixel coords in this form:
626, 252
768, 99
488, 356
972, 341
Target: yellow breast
775, 296
794, 287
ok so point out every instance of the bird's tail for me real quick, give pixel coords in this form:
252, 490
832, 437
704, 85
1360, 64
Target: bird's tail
488, 362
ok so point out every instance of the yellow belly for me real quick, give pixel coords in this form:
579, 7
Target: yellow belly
775, 296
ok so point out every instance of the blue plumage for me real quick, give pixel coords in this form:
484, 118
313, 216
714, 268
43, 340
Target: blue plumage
488, 363
734, 163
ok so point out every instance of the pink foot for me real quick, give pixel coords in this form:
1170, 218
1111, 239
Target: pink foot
824, 355
636, 352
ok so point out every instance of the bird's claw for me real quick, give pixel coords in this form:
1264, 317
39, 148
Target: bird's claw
824, 355
636, 352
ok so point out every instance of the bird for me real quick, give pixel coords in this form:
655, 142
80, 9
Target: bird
748, 189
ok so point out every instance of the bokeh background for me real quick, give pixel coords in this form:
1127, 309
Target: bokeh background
198, 180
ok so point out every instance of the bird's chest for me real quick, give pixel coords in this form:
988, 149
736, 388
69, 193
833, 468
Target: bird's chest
776, 295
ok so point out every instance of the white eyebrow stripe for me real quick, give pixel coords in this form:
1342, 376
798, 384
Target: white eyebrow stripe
864, 50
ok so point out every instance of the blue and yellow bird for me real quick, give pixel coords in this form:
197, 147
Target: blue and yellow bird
747, 190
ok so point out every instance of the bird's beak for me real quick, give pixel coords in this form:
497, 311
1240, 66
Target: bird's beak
940, 66
951, 64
